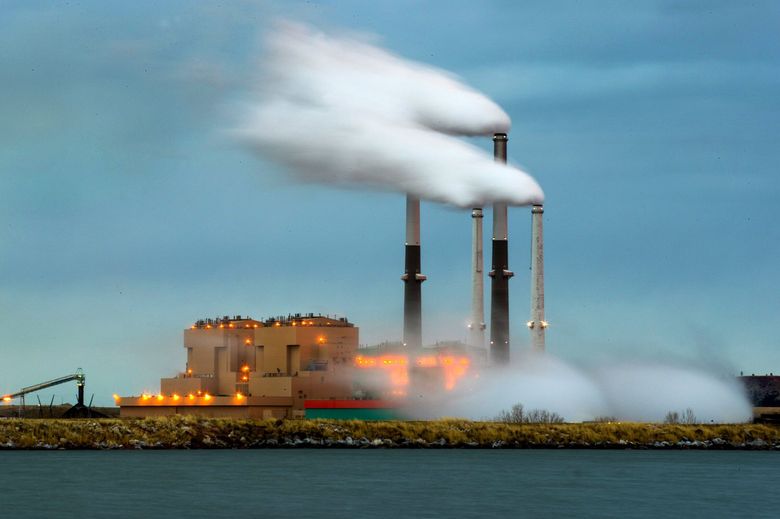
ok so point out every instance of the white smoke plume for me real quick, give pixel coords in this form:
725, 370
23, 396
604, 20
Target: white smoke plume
334, 109
643, 392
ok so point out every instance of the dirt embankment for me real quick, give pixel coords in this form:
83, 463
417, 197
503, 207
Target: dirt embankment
200, 433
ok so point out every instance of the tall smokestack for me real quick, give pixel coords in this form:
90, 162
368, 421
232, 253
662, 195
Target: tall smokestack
412, 277
500, 274
477, 324
537, 324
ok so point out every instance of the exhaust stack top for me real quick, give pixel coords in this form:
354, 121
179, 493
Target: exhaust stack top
499, 210
412, 221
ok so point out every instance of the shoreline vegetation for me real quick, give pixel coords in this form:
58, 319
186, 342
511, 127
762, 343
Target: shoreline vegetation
189, 432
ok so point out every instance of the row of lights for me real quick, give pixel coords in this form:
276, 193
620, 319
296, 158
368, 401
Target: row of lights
428, 361
300, 323
303, 323
205, 396
442, 360
230, 325
255, 325
385, 360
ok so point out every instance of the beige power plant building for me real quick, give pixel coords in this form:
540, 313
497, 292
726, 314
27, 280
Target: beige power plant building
241, 367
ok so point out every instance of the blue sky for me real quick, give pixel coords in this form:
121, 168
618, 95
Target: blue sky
126, 214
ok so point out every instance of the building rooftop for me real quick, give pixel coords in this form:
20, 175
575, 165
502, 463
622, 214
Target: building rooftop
238, 321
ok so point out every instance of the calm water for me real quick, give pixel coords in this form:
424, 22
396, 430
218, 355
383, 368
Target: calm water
389, 483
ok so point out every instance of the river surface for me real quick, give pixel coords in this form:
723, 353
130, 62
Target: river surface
389, 483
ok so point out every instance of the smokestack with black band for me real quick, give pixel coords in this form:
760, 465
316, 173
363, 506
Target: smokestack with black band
477, 324
500, 274
412, 277
537, 324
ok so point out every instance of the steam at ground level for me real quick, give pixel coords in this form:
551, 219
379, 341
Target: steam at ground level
628, 391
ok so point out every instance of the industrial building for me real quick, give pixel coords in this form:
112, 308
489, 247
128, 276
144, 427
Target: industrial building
298, 366
764, 394
241, 367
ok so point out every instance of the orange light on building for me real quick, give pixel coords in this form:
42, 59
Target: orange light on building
454, 369
189, 371
239, 396
365, 362
208, 327
321, 340
160, 397
206, 397
193, 327
176, 397
244, 378
6, 399
248, 341
295, 323
399, 376
246, 325
221, 325
245, 368
255, 325
191, 397
116, 397
396, 365
428, 361
394, 360
277, 323
146, 396
231, 325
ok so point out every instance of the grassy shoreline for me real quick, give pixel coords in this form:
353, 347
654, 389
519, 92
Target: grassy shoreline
187, 432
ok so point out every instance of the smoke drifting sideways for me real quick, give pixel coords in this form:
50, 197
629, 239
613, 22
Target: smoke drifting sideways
626, 391
338, 110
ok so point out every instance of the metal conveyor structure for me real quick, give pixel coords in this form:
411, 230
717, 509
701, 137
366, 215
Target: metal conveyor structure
78, 410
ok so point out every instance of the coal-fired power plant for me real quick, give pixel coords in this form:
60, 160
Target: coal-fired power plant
500, 273
412, 277
312, 365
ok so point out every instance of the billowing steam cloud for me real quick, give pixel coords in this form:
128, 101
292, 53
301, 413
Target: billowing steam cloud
626, 391
338, 110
